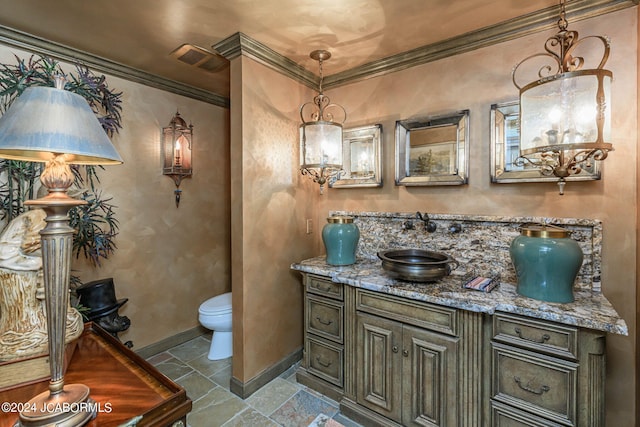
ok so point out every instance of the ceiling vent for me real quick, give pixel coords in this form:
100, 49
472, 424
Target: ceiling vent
199, 57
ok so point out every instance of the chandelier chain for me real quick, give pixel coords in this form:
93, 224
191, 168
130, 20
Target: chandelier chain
321, 76
562, 22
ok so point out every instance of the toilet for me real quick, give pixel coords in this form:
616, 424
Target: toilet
215, 314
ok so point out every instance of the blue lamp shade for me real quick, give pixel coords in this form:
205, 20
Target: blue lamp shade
46, 121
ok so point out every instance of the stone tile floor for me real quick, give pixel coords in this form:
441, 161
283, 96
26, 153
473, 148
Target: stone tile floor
282, 402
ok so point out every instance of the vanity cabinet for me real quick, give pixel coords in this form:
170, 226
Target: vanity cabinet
397, 361
545, 373
323, 359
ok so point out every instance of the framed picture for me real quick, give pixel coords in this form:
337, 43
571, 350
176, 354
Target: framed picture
433, 151
505, 150
362, 157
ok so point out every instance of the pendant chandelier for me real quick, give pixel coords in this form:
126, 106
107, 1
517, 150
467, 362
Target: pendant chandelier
321, 134
565, 116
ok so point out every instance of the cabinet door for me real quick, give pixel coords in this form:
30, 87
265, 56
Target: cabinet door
378, 365
430, 391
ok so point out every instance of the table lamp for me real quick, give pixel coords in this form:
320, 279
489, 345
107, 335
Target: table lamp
58, 127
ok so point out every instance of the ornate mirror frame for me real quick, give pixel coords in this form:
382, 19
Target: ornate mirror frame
362, 158
505, 149
433, 150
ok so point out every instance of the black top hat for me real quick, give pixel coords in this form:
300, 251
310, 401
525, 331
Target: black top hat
100, 297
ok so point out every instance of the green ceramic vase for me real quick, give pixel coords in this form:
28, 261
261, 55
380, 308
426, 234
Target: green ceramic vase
340, 236
547, 262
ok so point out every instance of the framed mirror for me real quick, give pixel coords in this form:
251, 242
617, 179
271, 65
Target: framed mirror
505, 149
433, 151
362, 157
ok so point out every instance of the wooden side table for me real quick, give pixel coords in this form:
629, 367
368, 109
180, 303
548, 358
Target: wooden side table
124, 386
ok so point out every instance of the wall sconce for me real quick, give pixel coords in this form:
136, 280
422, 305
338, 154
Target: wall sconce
57, 127
320, 134
177, 140
565, 122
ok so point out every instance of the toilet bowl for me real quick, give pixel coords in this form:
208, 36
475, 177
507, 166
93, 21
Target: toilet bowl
215, 314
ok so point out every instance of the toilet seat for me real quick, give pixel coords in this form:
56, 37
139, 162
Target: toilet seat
217, 305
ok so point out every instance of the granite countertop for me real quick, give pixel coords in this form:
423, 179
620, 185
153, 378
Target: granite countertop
589, 310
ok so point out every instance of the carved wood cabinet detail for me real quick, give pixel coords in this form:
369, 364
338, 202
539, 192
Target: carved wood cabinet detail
323, 359
394, 361
546, 374
398, 363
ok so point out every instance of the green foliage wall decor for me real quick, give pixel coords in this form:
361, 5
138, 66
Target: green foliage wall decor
95, 222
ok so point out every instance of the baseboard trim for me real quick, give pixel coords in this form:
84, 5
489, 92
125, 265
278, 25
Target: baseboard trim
244, 390
172, 341
364, 416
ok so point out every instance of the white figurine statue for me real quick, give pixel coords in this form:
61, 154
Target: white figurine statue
23, 324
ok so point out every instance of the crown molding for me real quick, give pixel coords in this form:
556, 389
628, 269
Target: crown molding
40, 46
545, 19
240, 44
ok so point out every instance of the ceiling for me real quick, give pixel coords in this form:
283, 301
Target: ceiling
142, 33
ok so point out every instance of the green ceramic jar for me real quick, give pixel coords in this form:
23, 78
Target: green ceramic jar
546, 261
340, 236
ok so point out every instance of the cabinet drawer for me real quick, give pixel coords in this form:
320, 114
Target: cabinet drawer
506, 416
324, 360
537, 335
536, 383
424, 315
325, 287
324, 318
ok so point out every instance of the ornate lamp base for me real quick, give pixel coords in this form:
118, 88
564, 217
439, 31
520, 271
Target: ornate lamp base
63, 405
70, 407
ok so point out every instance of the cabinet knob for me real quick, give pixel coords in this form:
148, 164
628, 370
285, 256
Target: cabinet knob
394, 348
405, 353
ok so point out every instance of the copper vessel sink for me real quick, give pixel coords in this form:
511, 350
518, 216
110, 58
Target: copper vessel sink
417, 265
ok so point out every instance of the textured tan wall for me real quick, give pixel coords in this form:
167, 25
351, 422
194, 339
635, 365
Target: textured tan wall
476, 80
237, 218
167, 260
269, 204
637, 334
